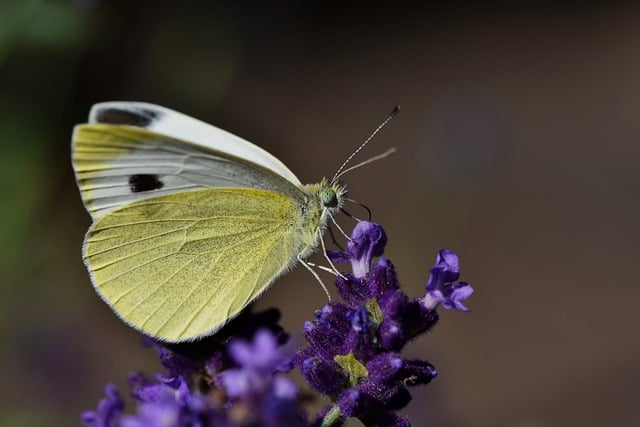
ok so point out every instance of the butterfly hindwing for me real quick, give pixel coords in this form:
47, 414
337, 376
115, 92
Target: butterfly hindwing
180, 265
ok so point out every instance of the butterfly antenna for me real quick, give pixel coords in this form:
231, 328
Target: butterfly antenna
341, 171
381, 156
365, 207
347, 213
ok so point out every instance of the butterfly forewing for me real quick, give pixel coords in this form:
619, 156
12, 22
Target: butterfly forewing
176, 125
116, 165
180, 265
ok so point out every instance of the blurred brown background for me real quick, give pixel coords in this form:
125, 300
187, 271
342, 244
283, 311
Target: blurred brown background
518, 148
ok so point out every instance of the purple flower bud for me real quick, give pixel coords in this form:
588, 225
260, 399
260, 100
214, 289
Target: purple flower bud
257, 360
369, 400
392, 336
138, 381
354, 290
327, 338
360, 339
368, 240
109, 410
446, 269
152, 392
416, 372
361, 344
154, 414
360, 321
324, 312
383, 278
262, 354
326, 377
164, 389
215, 364
440, 289
402, 320
387, 397
239, 383
175, 364
308, 327
384, 368
351, 402
450, 296
284, 389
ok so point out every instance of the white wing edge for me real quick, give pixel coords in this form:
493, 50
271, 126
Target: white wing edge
181, 126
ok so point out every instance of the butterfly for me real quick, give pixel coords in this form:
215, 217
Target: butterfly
190, 223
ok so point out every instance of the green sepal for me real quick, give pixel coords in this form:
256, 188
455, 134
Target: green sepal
375, 311
352, 366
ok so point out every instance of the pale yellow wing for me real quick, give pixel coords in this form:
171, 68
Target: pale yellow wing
179, 266
118, 164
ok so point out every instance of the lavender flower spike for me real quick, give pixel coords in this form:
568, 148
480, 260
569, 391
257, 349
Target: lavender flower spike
440, 289
354, 354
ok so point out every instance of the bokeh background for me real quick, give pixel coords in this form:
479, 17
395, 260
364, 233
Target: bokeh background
518, 148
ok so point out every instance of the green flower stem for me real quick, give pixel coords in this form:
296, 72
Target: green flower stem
332, 417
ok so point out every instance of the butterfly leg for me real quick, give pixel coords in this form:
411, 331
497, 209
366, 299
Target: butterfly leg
308, 266
333, 220
324, 251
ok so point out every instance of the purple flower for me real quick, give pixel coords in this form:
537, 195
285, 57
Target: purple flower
170, 402
269, 399
109, 410
248, 392
354, 346
175, 364
261, 355
440, 289
258, 361
367, 240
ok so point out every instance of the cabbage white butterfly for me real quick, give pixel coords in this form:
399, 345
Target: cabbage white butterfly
190, 223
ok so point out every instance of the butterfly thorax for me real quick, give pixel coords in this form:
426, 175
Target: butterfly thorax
323, 200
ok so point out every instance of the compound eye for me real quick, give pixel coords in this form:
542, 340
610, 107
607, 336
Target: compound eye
328, 198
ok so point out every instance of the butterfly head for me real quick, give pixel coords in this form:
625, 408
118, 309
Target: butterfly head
332, 195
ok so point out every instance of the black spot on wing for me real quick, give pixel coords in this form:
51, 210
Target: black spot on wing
139, 117
144, 182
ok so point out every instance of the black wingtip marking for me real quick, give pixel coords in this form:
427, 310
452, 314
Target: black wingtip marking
144, 182
117, 116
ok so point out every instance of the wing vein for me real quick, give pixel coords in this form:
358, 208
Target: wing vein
206, 303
